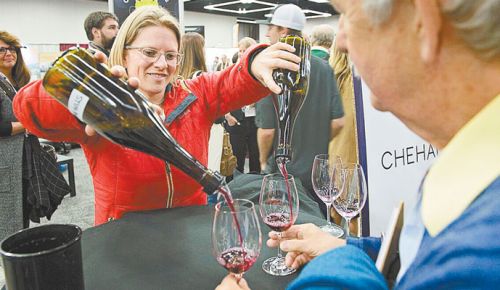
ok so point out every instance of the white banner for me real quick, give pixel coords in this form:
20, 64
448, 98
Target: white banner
394, 157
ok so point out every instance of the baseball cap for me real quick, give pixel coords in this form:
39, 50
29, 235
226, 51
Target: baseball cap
288, 16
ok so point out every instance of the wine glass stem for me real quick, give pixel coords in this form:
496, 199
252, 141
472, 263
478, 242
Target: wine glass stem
279, 248
347, 221
328, 213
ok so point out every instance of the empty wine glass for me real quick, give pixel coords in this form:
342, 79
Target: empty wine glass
326, 177
236, 236
352, 197
279, 207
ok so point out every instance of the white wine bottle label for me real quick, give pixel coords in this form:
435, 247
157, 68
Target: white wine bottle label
77, 103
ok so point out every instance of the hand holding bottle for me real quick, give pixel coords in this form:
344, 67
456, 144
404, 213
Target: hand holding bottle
278, 55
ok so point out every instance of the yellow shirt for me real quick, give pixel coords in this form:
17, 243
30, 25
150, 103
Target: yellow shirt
466, 166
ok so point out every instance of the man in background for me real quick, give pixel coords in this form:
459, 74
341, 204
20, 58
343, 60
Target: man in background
101, 29
322, 39
321, 115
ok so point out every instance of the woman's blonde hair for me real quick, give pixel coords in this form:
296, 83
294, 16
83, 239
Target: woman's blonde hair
193, 50
141, 18
247, 42
20, 72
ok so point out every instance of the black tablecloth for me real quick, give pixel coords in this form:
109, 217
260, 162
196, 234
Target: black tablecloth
166, 249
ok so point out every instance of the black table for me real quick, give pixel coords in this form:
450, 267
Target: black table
166, 249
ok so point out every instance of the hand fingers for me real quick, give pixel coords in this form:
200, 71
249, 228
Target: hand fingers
294, 246
118, 71
90, 131
281, 54
299, 261
243, 284
133, 82
268, 81
282, 46
100, 57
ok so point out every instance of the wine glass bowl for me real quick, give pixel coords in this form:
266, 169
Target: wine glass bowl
352, 197
279, 207
236, 236
326, 178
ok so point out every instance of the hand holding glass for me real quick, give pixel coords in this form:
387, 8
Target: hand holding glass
279, 207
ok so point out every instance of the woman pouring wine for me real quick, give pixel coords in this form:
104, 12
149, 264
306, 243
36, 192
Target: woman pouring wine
147, 46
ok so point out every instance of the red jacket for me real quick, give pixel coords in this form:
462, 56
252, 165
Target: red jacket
129, 180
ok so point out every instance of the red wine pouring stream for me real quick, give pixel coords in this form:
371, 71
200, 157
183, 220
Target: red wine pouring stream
287, 104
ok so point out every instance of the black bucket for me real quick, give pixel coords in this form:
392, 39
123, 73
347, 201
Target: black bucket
45, 257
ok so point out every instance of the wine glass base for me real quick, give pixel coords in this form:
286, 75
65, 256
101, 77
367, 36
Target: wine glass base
333, 230
276, 266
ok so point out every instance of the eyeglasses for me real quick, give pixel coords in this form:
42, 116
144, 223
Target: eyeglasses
12, 49
151, 54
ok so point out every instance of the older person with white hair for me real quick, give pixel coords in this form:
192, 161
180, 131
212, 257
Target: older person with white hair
434, 64
322, 37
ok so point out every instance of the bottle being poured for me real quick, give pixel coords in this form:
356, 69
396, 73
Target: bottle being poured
119, 113
287, 104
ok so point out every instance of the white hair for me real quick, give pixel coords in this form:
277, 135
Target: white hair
477, 21
323, 35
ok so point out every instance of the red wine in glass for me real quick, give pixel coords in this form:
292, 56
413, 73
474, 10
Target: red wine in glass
236, 247
278, 222
237, 260
279, 206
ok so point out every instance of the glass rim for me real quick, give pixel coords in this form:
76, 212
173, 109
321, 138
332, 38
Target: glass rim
222, 206
76, 238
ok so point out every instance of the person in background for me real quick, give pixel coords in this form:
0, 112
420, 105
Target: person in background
193, 60
146, 51
240, 124
345, 144
223, 63
192, 66
322, 40
101, 29
13, 75
445, 57
214, 64
321, 115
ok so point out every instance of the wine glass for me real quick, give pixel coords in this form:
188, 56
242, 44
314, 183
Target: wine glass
279, 207
236, 236
352, 197
326, 180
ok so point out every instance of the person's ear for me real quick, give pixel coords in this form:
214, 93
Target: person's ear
428, 17
95, 33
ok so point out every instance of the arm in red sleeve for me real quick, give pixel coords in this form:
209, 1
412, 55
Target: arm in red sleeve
229, 89
43, 116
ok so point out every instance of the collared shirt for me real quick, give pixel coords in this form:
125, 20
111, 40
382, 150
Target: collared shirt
94, 47
468, 164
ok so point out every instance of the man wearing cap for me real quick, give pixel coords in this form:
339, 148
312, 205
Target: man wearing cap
320, 118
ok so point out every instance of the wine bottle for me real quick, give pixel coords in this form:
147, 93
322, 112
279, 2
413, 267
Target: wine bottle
287, 104
119, 113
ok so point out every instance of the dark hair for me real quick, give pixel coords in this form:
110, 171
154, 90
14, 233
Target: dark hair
20, 72
235, 57
96, 19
